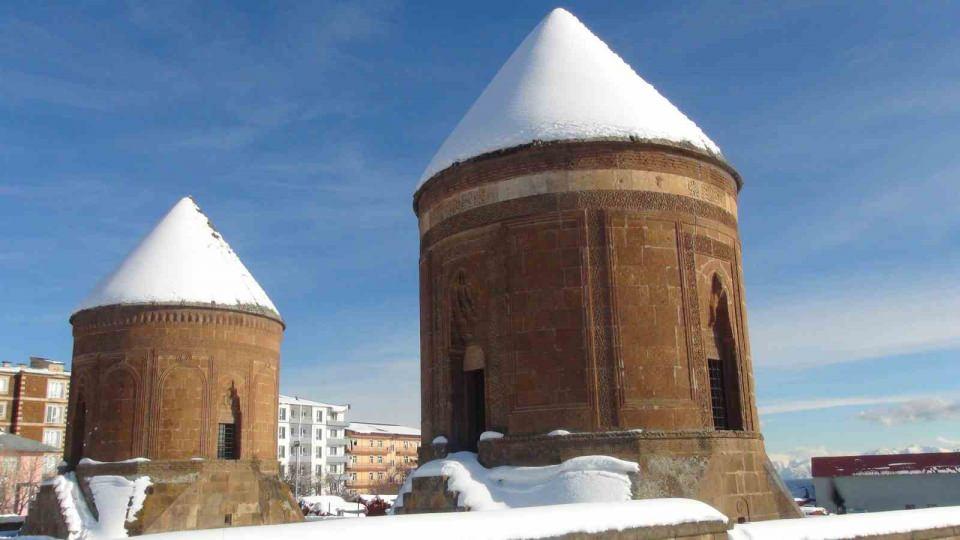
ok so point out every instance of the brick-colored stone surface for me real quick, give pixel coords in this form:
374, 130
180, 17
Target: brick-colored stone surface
185, 495
155, 381
595, 289
725, 469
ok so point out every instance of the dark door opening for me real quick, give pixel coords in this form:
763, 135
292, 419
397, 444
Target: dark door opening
475, 417
78, 433
718, 394
227, 441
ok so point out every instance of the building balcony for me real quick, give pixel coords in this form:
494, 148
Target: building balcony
331, 441
336, 459
365, 450
338, 423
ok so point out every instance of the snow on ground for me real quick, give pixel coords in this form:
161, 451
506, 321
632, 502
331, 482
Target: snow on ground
558, 433
535, 522
564, 83
331, 504
849, 525
182, 260
580, 479
489, 435
439, 439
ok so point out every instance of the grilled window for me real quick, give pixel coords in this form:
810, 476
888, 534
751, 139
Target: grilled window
227, 441
718, 395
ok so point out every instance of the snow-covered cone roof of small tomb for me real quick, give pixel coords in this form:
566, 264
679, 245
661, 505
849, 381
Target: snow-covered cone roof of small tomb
564, 84
183, 261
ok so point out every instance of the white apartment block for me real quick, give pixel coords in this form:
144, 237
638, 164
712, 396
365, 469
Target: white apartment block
311, 444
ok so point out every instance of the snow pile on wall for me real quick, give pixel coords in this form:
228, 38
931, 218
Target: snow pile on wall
563, 83
536, 522
850, 525
71, 505
117, 500
580, 479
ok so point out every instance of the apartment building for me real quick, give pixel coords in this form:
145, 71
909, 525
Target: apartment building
381, 456
311, 444
33, 400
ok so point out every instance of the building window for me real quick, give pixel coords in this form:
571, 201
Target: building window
53, 437
380, 476
319, 434
319, 451
353, 477
281, 452
304, 433
283, 470
379, 459
354, 442
332, 469
370, 476
371, 459
4, 385
3, 410
380, 444
332, 433
283, 414
56, 389
319, 416
319, 471
227, 441
353, 459
54, 414
304, 412
283, 432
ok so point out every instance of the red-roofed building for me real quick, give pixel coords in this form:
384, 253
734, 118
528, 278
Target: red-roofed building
872, 483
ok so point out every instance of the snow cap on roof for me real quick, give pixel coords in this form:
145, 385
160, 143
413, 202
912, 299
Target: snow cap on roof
183, 260
386, 429
564, 83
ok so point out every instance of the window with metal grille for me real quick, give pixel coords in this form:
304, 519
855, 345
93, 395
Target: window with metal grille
718, 394
227, 441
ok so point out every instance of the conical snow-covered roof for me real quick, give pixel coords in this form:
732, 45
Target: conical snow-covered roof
183, 260
564, 83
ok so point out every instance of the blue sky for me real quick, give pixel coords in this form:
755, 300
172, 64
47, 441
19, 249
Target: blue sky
302, 128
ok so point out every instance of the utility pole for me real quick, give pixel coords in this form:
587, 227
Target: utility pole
296, 448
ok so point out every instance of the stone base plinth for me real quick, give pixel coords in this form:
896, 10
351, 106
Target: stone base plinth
183, 495
728, 470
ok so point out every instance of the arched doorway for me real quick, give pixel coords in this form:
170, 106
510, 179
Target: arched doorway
722, 364
467, 365
78, 431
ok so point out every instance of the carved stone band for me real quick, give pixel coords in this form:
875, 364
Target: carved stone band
576, 180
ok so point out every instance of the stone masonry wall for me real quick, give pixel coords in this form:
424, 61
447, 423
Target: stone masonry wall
155, 381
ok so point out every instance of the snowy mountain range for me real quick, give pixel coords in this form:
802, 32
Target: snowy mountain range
796, 466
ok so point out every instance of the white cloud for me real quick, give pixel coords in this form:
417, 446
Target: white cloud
921, 410
871, 318
829, 403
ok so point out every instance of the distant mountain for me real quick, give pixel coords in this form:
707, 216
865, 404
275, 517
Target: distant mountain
796, 466
791, 468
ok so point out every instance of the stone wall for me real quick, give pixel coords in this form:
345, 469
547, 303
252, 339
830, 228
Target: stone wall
587, 277
184, 495
727, 470
155, 382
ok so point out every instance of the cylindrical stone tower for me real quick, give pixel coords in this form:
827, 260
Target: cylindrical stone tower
580, 269
176, 354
